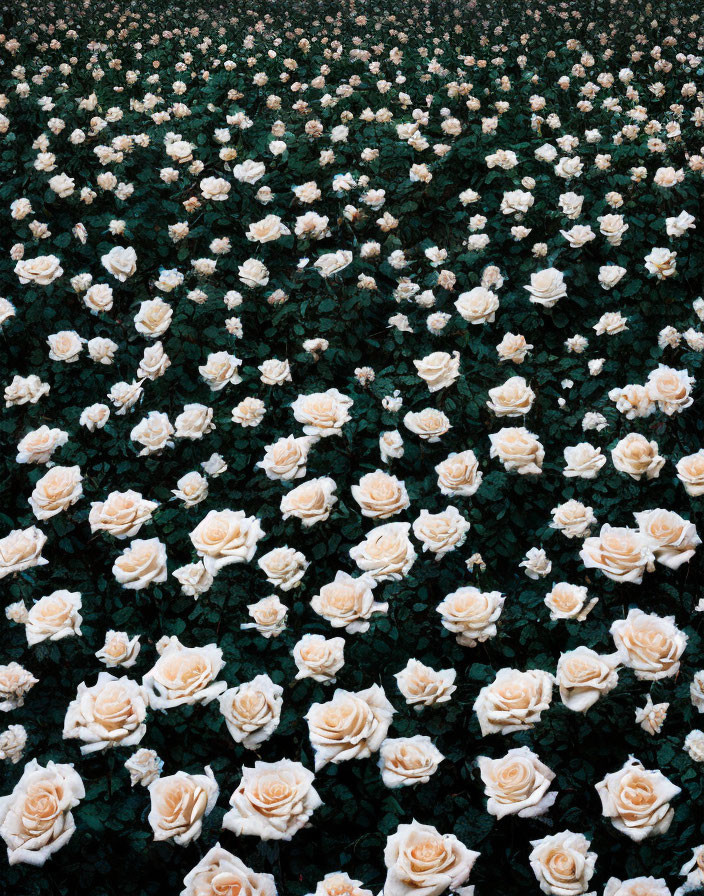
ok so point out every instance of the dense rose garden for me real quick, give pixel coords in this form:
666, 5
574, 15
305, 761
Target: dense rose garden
352, 448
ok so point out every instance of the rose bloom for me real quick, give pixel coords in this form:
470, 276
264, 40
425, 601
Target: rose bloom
513, 399
583, 677
184, 675
119, 650
583, 461
283, 567
439, 370
380, 495
54, 617
153, 318
219, 873
513, 347
273, 801
15, 684
407, 761
422, 686
322, 413
518, 450
546, 287
252, 710
38, 446
348, 602
471, 614
122, 514
562, 863
56, 491
194, 422
429, 424
179, 803
111, 713
350, 726
649, 644
441, 532
319, 658
36, 818
622, 554
478, 306
661, 262
420, 860
269, 616
286, 459
21, 549
153, 432
40, 271
573, 519
386, 553
637, 800
670, 388
638, 886
224, 537
459, 474
514, 701
194, 579
637, 457
142, 563
690, 472
517, 784
310, 502
567, 601
673, 540
120, 262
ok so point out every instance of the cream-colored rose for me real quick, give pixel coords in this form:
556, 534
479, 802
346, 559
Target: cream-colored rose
286, 459
122, 514
12, 743
268, 615
693, 871
144, 767
319, 658
36, 818
283, 567
478, 306
15, 684
219, 873
517, 784
583, 461
220, 369
428, 424
191, 488
622, 554
573, 519
273, 801
57, 490
562, 863
65, 346
513, 399
194, 579
119, 650
310, 502
153, 318
322, 413
637, 800
420, 861
673, 540
348, 602
380, 495
459, 474
406, 761
94, 417
98, 298
54, 617
422, 686
386, 553
215, 188
637, 457
142, 563
120, 262
253, 273
224, 537
332, 263
25, 390
111, 713
649, 644
513, 347
547, 287
155, 362
567, 601
690, 472
184, 675
252, 710
339, 883
390, 445
274, 372
154, 433
350, 726
38, 446
518, 450
514, 701
670, 388
638, 886
439, 370
267, 230
471, 614
441, 532
42, 270
584, 676
194, 422
179, 803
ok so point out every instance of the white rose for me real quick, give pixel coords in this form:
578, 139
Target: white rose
111, 713
518, 450
439, 370
478, 306
348, 602
512, 399
319, 658
420, 860
514, 701
562, 863
54, 617
38, 446
546, 287
179, 803
517, 784
310, 502
119, 650
219, 873
422, 686
322, 413
637, 800
224, 537
41, 271
567, 601
283, 567
471, 614
120, 262
672, 539
406, 761
142, 563
184, 675
56, 491
386, 552
649, 644
621, 554
441, 532
122, 514
583, 677
252, 710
